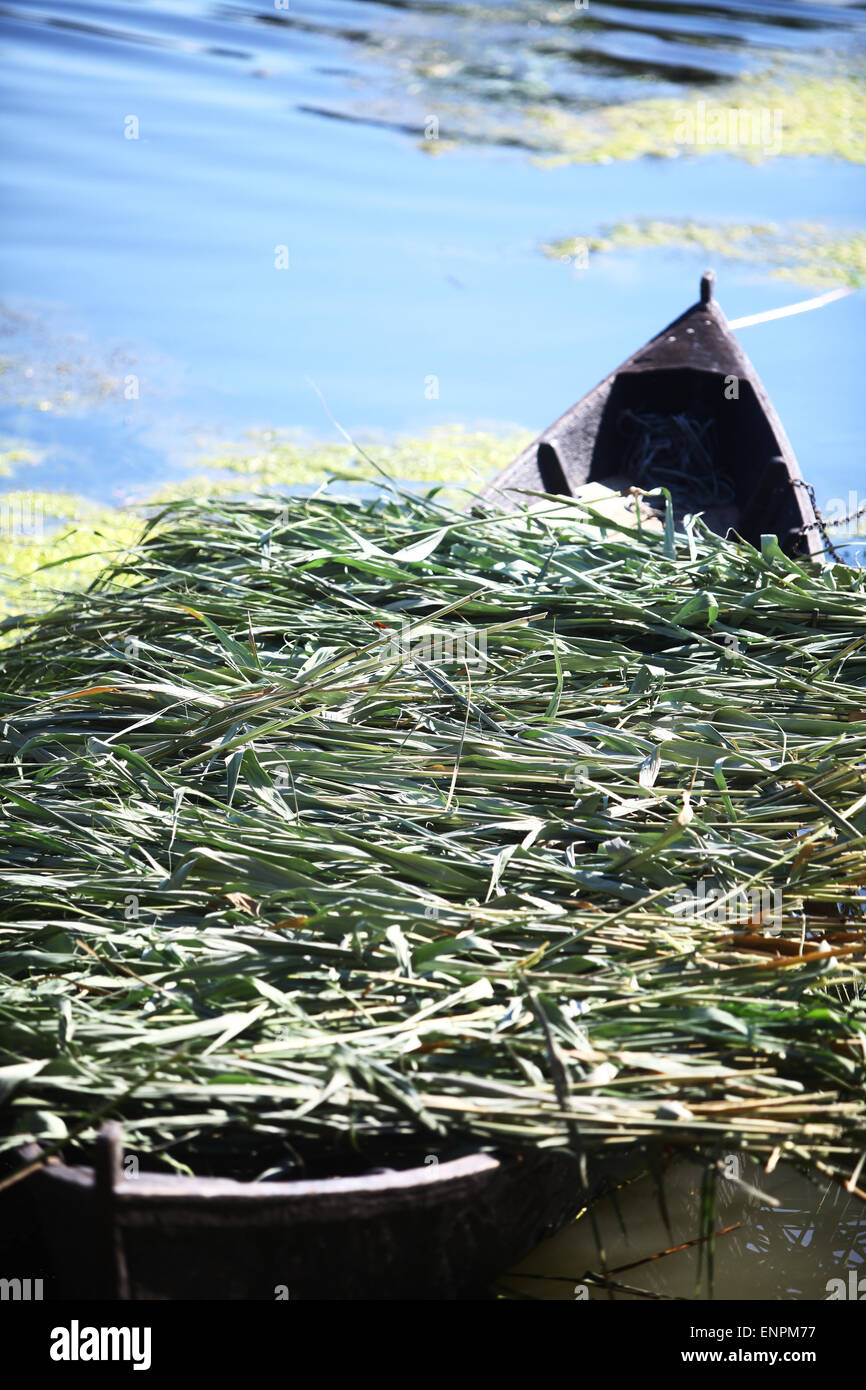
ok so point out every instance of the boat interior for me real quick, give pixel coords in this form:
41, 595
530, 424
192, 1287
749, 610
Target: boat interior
677, 428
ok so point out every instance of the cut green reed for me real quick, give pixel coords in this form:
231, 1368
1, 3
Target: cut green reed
336, 829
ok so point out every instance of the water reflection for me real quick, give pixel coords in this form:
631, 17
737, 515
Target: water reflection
495, 62
809, 1245
486, 64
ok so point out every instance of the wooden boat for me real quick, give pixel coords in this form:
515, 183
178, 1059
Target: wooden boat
434, 1231
687, 411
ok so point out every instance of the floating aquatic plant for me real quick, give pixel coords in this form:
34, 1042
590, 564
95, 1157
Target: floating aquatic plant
809, 253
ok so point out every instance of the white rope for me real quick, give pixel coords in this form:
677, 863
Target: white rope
801, 308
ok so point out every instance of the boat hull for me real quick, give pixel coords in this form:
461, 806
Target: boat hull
439, 1231
693, 370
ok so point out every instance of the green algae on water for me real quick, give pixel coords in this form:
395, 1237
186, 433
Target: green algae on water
54, 542
445, 454
807, 253
753, 119
60, 542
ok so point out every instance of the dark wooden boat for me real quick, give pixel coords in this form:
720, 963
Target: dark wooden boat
438, 1231
687, 411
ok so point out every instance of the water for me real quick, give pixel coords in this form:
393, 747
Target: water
154, 258
807, 1243
145, 316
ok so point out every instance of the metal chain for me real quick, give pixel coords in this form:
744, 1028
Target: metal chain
819, 524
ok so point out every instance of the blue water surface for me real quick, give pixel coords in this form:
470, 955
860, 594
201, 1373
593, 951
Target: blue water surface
153, 260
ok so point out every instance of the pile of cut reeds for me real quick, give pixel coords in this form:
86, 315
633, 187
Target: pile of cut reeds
355, 828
